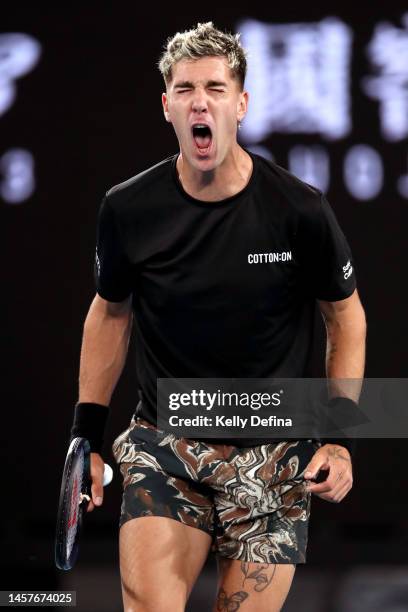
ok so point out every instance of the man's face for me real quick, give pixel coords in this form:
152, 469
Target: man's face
203, 92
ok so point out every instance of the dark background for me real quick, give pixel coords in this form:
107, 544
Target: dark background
90, 113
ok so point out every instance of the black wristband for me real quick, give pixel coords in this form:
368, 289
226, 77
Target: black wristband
89, 422
346, 406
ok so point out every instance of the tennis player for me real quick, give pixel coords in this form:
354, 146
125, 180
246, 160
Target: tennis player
218, 257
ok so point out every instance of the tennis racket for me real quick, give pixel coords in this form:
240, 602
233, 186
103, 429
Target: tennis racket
75, 495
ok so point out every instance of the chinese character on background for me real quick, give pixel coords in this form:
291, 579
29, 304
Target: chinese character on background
298, 78
388, 52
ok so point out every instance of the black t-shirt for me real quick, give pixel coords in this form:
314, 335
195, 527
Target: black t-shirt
220, 289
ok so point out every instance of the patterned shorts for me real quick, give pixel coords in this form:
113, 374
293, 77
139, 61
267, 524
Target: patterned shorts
252, 501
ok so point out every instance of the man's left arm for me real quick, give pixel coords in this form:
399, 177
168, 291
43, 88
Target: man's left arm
345, 357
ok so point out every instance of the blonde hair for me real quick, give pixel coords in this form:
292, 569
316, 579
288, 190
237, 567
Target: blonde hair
202, 41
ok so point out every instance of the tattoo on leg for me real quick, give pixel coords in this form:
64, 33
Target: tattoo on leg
232, 603
259, 575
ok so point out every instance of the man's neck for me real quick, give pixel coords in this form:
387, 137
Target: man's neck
226, 180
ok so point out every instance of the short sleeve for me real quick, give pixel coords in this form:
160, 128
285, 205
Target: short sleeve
112, 270
329, 262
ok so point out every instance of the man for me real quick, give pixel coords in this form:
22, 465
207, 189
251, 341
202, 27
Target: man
176, 250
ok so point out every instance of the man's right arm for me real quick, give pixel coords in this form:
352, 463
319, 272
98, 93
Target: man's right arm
104, 348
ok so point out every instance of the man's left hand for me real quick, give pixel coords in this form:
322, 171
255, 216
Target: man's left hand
339, 481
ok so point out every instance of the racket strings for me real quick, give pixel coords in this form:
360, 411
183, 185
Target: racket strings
75, 501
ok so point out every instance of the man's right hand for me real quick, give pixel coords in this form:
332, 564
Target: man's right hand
97, 469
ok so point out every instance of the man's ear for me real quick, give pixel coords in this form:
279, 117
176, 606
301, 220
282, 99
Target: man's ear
165, 107
243, 105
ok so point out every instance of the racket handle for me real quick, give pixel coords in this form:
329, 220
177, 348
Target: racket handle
107, 475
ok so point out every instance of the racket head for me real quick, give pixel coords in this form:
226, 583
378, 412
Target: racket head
76, 481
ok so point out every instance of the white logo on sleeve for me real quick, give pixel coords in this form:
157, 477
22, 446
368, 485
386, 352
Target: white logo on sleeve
348, 270
254, 258
98, 263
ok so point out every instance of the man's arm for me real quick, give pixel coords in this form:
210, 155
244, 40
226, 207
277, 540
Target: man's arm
345, 357
104, 348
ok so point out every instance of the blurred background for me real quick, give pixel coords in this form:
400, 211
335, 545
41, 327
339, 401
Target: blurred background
80, 111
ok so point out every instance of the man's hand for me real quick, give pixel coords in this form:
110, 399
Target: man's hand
97, 469
339, 481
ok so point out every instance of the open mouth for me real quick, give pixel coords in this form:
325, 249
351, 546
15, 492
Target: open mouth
202, 137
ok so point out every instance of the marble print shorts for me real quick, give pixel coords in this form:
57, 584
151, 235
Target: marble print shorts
252, 501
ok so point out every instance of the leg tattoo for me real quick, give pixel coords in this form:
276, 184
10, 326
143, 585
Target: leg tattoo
259, 575
263, 577
230, 604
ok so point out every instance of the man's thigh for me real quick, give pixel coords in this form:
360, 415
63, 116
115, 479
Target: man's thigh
252, 587
160, 559
166, 521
